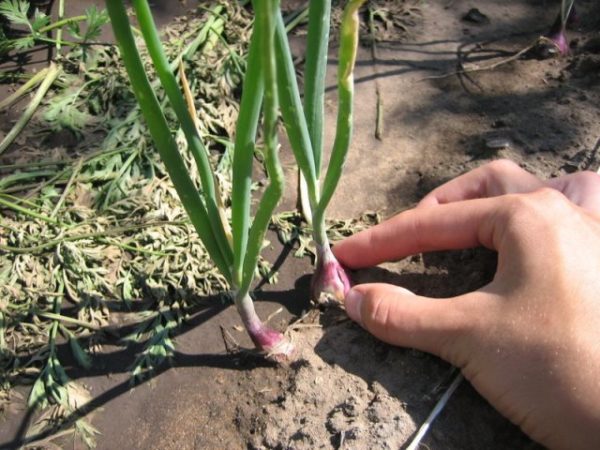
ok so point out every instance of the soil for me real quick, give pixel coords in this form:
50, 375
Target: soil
345, 389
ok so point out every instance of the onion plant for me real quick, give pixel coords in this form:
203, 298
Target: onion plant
235, 255
270, 87
558, 32
304, 123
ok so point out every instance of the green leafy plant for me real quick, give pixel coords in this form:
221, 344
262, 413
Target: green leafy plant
53, 386
115, 180
94, 20
16, 11
61, 203
269, 86
35, 26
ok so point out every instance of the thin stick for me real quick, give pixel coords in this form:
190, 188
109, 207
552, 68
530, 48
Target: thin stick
477, 68
53, 73
379, 115
273, 314
69, 320
595, 153
3, 346
61, 15
379, 98
437, 409
65, 192
189, 97
23, 89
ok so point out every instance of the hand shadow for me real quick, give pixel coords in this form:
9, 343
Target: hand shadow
415, 378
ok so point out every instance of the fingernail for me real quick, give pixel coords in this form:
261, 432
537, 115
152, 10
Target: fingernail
353, 301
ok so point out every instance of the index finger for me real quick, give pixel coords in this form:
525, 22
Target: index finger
451, 226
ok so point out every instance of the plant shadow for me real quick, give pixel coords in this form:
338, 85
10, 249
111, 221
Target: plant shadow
202, 343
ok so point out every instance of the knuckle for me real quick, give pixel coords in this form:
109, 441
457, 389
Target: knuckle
502, 164
547, 197
587, 178
538, 209
378, 310
501, 168
378, 317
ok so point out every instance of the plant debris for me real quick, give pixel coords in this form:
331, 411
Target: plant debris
94, 231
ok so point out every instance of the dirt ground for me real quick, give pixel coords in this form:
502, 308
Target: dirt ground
346, 389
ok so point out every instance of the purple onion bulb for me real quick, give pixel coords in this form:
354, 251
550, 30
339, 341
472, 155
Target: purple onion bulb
560, 41
557, 34
330, 282
272, 342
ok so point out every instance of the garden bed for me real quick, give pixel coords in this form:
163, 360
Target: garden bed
344, 389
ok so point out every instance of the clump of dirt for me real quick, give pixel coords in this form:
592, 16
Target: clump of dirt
325, 405
587, 67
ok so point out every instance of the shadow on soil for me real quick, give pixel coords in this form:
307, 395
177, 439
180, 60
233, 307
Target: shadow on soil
119, 362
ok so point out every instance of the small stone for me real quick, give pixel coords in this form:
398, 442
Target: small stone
569, 168
353, 433
497, 143
475, 16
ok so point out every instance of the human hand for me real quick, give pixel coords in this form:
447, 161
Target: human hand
529, 341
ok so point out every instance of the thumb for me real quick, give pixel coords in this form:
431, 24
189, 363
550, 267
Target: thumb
399, 317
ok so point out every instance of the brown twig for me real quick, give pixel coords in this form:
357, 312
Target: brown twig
464, 69
231, 345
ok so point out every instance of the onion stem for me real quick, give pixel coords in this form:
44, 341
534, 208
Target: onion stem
236, 257
314, 76
341, 144
162, 137
22, 90
247, 125
177, 100
266, 11
270, 84
50, 76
